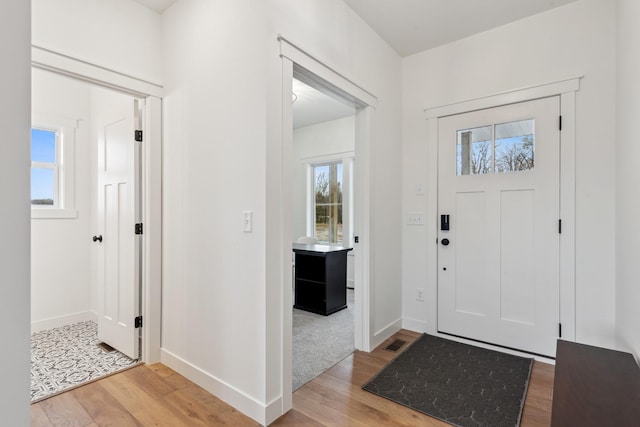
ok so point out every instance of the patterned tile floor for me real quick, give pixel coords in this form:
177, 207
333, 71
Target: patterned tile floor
69, 356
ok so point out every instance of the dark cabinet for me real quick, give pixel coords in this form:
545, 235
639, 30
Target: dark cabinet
320, 278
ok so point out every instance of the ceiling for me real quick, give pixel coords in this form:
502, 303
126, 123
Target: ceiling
311, 106
409, 27
412, 26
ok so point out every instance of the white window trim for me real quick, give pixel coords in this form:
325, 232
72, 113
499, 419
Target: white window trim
347, 159
64, 174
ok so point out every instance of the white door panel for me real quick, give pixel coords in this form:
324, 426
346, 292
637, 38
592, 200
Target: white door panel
118, 266
498, 179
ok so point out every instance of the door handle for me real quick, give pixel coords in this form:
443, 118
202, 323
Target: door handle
97, 238
445, 242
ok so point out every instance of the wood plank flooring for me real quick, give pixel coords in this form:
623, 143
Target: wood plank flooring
154, 395
147, 395
336, 398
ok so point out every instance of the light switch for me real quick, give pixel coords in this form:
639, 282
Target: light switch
247, 221
419, 189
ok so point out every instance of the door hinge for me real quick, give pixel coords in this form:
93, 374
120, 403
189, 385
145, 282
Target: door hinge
138, 135
138, 322
560, 123
560, 330
139, 228
559, 226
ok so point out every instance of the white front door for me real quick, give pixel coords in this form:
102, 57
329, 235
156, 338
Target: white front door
118, 265
498, 195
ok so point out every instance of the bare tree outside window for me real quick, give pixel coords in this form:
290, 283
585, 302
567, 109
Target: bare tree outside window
474, 151
481, 157
505, 147
328, 202
512, 156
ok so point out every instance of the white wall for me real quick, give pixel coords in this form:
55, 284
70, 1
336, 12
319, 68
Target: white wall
60, 248
15, 112
331, 138
627, 177
221, 318
574, 40
121, 35
214, 168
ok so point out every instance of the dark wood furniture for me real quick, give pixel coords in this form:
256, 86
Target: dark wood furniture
595, 386
320, 278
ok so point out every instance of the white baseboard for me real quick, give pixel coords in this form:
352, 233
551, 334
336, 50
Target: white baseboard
67, 319
273, 411
249, 406
386, 332
414, 325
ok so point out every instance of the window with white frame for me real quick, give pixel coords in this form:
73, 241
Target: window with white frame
327, 193
45, 167
330, 202
52, 167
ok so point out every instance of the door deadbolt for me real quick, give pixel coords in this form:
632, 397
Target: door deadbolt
97, 238
445, 242
444, 222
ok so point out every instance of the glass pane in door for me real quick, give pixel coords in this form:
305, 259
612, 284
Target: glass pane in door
474, 151
515, 146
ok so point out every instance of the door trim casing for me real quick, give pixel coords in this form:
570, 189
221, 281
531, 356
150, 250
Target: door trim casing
78, 69
297, 61
566, 90
59, 63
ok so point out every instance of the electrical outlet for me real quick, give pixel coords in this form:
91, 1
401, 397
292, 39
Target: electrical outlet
415, 218
420, 294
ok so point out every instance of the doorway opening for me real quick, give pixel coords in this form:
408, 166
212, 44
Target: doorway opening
69, 233
299, 65
322, 163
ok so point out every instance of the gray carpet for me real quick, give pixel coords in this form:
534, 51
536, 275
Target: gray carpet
457, 383
319, 342
67, 357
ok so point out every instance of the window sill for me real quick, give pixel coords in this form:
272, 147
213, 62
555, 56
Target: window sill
53, 213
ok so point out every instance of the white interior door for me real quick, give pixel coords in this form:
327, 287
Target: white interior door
118, 209
498, 263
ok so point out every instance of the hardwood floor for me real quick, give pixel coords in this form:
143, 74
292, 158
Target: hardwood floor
147, 395
336, 398
157, 396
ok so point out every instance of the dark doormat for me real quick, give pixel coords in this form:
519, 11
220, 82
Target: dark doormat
457, 383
